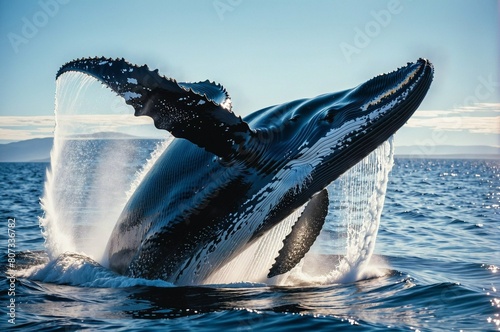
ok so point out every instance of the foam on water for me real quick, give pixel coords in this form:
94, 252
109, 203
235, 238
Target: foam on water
90, 181
80, 270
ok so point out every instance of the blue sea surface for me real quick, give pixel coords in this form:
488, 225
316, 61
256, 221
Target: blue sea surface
437, 249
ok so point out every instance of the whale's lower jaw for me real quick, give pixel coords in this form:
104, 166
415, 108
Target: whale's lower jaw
229, 180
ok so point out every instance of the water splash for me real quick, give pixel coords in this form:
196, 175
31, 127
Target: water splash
92, 166
139, 176
359, 207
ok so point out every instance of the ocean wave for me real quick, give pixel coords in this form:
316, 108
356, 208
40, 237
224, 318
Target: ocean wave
78, 270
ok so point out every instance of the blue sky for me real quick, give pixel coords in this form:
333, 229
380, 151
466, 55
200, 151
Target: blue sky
264, 53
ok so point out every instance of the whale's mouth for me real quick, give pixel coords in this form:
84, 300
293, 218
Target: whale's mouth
384, 103
399, 91
404, 91
408, 83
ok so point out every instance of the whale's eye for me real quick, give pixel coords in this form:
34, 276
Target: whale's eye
330, 115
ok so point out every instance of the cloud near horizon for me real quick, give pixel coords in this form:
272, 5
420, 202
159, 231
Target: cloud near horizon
480, 118
18, 128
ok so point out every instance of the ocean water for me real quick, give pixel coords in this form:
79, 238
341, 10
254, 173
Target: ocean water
435, 268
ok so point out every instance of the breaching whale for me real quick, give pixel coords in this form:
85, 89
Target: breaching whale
225, 181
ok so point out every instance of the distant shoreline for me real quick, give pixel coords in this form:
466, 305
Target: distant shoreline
450, 156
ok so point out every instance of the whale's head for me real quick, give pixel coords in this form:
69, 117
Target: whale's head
332, 132
383, 103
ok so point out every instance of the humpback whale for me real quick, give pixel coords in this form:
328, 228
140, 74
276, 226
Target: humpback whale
225, 180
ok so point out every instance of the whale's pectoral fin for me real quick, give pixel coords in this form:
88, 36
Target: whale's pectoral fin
200, 112
303, 234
